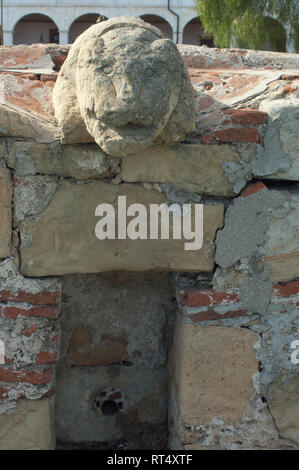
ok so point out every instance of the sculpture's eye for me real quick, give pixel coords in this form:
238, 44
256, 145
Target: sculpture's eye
148, 73
107, 69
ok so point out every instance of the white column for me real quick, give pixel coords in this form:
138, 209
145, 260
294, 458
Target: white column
290, 45
290, 42
63, 37
8, 38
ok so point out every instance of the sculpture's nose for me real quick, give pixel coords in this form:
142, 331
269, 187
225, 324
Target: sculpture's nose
125, 108
125, 91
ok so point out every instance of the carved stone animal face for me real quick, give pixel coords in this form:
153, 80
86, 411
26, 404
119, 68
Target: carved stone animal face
128, 83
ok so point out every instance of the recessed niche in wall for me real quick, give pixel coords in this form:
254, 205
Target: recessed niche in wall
112, 376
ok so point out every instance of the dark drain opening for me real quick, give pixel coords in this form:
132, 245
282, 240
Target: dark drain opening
109, 408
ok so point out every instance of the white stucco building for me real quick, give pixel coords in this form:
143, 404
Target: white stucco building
29, 21
61, 21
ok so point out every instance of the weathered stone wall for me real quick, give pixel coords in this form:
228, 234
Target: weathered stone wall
230, 383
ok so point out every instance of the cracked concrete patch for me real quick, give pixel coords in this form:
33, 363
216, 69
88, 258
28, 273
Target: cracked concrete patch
255, 294
238, 174
278, 159
246, 222
246, 233
271, 158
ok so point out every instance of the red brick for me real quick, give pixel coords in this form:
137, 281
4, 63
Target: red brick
29, 76
30, 376
253, 188
205, 102
29, 331
246, 116
50, 83
55, 339
202, 298
49, 393
192, 62
3, 393
290, 88
237, 134
59, 59
45, 357
44, 312
16, 180
207, 138
43, 298
213, 315
21, 56
48, 77
33, 96
286, 289
289, 77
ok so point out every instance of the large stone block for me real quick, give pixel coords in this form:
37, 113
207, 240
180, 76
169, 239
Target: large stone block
35, 56
29, 426
32, 96
282, 243
16, 123
62, 240
5, 213
213, 369
283, 267
284, 407
198, 168
75, 161
82, 352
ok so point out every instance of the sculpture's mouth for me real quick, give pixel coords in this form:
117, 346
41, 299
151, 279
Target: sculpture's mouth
136, 132
133, 127
127, 118
132, 135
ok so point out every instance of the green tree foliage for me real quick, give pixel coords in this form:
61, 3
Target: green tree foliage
248, 23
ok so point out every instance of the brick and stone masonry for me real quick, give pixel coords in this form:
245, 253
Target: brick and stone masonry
190, 350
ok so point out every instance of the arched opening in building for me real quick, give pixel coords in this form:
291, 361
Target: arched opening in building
194, 34
159, 23
82, 23
276, 36
35, 28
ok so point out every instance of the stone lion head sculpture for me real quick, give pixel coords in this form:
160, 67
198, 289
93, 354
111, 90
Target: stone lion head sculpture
123, 85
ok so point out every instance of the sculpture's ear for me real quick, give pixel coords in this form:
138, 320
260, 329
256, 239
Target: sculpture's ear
164, 45
67, 111
182, 119
91, 51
